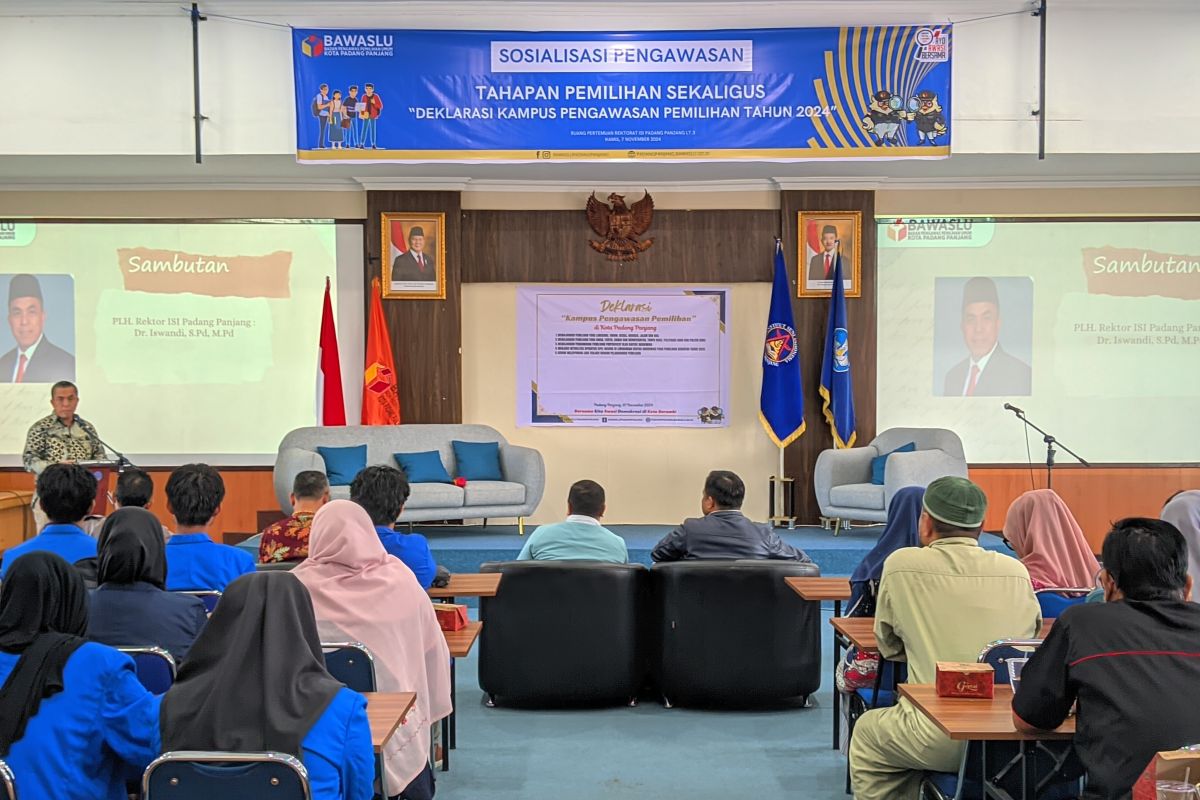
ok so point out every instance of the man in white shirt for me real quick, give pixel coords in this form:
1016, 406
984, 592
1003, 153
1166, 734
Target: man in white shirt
988, 371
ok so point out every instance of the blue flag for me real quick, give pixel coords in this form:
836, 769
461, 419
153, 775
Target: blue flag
781, 404
836, 388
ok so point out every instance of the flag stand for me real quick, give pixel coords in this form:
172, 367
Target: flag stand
783, 498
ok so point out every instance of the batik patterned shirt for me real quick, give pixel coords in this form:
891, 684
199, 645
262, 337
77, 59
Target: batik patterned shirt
286, 540
50, 441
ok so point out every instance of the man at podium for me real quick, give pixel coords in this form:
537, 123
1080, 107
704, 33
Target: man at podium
62, 437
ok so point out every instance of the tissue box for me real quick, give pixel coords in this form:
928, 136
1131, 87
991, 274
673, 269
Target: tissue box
1169, 765
965, 680
451, 616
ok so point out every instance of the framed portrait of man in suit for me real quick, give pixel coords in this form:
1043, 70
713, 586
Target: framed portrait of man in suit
414, 256
38, 343
824, 236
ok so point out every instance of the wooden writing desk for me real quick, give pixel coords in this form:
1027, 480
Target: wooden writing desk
482, 584
385, 712
976, 720
835, 589
461, 642
860, 631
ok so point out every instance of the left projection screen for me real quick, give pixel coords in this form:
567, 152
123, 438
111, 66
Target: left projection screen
188, 341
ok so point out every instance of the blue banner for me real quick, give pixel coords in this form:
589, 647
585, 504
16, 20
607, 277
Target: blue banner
781, 401
837, 390
780, 94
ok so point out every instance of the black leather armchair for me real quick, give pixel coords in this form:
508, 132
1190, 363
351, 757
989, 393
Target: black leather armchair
733, 634
561, 633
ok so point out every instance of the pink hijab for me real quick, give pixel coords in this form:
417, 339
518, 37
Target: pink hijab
1049, 542
362, 594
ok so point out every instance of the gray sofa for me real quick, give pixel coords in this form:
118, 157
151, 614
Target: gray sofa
842, 478
517, 495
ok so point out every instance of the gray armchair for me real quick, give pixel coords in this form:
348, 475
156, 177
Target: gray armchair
842, 478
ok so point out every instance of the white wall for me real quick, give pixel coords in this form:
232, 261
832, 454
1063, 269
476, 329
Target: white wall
1120, 81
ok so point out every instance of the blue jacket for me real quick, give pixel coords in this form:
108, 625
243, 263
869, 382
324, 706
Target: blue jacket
338, 753
83, 740
413, 550
195, 562
68, 541
143, 614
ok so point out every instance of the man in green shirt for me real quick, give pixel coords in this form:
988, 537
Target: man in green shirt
580, 537
943, 601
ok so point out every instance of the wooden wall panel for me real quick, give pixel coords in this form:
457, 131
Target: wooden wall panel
248, 491
1097, 496
426, 334
811, 317
711, 246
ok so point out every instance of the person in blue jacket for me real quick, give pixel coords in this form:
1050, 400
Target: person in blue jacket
66, 493
131, 606
74, 720
255, 681
383, 491
195, 561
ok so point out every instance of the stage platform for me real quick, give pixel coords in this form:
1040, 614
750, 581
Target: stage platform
464, 548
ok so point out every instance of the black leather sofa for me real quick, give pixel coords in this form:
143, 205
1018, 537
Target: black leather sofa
733, 634
561, 633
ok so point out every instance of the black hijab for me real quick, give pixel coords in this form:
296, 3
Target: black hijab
43, 617
255, 679
131, 548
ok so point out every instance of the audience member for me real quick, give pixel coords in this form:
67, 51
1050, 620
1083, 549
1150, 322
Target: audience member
74, 720
724, 531
287, 539
255, 681
131, 606
1131, 662
383, 491
1045, 536
135, 489
940, 602
858, 669
580, 536
66, 493
361, 594
195, 562
1183, 511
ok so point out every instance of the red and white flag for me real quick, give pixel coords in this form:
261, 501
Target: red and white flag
331, 404
399, 243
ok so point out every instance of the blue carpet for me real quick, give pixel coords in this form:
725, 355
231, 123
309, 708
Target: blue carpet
648, 752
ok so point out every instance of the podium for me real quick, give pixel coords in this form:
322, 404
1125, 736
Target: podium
102, 471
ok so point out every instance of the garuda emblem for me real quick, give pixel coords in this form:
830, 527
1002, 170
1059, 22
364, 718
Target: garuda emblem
620, 226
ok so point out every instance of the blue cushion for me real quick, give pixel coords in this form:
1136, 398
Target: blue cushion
478, 461
423, 467
877, 464
343, 463
886, 698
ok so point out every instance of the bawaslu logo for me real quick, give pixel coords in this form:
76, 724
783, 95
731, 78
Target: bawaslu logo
935, 232
347, 44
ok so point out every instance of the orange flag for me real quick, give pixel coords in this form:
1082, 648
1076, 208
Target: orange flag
381, 397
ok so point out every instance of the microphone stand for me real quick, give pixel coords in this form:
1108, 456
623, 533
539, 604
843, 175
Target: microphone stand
122, 461
1050, 442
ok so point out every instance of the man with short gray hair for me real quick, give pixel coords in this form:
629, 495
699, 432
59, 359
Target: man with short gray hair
287, 539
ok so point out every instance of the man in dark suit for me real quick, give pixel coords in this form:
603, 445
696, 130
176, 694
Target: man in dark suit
35, 359
988, 371
820, 266
724, 531
416, 264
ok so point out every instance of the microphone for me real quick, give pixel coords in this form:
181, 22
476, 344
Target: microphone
1014, 409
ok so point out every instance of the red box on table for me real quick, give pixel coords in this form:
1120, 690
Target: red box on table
1169, 765
965, 679
451, 616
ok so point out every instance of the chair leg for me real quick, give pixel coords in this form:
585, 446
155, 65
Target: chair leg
520, 526
490, 701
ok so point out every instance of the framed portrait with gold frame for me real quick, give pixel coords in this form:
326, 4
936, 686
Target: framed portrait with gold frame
822, 235
414, 255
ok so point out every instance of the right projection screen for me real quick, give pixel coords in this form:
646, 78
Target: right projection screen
1091, 326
